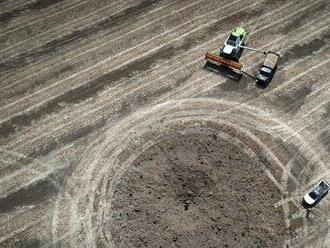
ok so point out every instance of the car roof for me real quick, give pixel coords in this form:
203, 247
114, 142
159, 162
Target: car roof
271, 60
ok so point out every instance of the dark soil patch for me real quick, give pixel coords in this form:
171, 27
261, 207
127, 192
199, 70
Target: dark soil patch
36, 5
33, 194
109, 24
196, 191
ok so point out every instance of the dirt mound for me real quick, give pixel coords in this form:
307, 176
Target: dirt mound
196, 190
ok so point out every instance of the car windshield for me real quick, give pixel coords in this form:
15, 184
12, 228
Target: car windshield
324, 186
232, 40
313, 195
265, 71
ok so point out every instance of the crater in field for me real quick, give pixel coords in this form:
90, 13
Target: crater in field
196, 190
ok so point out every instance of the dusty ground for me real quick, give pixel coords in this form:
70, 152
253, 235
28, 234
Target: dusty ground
196, 190
103, 102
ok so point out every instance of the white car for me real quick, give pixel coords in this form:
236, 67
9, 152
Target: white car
316, 194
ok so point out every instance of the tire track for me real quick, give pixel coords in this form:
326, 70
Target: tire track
94, 49
14, 49
8, 18
94, 110
137, 130
72, 55
12, 5
81, 217
20, 219
24, 99
23, 24
321, 104
29, 56
195, 90
194, 112
89, 20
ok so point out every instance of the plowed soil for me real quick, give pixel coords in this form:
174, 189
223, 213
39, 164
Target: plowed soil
196, 191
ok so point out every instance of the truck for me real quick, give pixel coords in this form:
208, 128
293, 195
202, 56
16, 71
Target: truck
267, 69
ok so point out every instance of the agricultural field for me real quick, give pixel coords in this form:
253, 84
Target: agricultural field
112, 134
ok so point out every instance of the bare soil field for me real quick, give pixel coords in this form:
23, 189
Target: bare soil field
113, 135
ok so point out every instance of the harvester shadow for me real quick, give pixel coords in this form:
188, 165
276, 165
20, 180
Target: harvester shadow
260, 86
228, 73
223, 71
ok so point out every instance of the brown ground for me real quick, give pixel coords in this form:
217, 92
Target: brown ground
196, 190
89, 89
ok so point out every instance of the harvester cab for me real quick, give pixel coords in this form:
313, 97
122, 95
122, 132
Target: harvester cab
227, 57
232, 48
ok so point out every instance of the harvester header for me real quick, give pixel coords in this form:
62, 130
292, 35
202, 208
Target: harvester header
215, 58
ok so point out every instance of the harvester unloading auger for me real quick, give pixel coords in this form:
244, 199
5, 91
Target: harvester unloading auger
229, 55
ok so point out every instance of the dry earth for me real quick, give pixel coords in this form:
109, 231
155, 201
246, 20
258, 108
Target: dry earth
113, 135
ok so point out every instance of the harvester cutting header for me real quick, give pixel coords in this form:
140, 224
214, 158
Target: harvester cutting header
229, 57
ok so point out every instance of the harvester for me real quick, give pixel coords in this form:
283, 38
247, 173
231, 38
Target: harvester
228, 56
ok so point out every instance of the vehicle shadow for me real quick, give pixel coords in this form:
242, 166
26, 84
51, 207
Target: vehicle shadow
223, 71
229, 73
